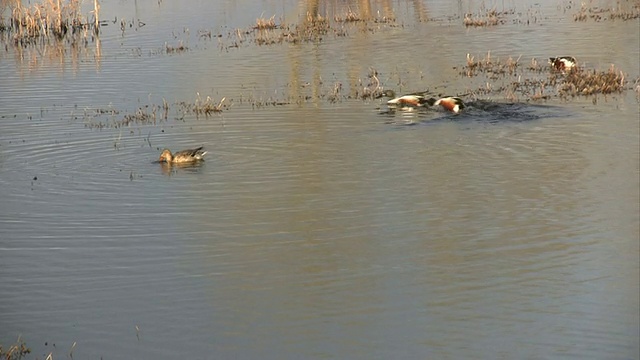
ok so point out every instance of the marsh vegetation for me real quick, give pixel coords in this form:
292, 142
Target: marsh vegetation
15, 351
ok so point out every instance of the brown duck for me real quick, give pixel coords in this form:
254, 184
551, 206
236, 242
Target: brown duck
182, 157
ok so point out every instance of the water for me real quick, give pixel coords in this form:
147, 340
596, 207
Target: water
318, 228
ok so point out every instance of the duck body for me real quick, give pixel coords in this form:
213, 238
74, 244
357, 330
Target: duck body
182, 157
562, 63
449, 103
409, 100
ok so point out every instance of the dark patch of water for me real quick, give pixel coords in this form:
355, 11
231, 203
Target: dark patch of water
481, 111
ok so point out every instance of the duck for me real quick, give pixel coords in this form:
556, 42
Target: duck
450, 103
562, 63
182, 157
416, 99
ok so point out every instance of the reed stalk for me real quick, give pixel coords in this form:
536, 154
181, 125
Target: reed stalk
96, 11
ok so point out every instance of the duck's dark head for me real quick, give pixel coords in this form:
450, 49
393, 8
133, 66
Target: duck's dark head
389, 93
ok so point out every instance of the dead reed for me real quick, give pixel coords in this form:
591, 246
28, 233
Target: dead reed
490, 65
50, 19
201, 107
538, 82
265, 24
151, 114
581, 15
349, 16
591, 82
622, 11
15, 351
490, 18
175, 49
207, 107
312, 28
144, 115
372, 89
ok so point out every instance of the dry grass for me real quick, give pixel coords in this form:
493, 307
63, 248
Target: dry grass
490, 65
539, 82
50, 19
591, 82
314, 27
175, 49
144, 115
266, 24
152, 114
534, 65
207, 107
622, 11
372, 89
15, 351
581, 15
349, 16
490, 18
199, 107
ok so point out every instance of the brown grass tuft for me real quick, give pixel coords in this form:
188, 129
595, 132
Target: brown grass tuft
15, 351
266, 24
490, 18
590, 82
50, 19
350, 16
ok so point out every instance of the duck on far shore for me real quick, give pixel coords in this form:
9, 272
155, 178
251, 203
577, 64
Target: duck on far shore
563, 63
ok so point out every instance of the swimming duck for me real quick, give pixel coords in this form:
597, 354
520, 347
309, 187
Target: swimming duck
562, 63
414, 99
450, 103
182, 157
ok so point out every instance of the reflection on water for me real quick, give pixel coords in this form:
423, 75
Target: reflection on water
489, 112
172, 169
317, 227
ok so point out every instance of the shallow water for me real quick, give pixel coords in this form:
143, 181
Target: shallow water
319, 227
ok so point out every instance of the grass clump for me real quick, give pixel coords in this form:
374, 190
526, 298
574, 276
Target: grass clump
489, 65
175, 49
203, 107
622, 12
490, 18
50, 19
349, 16
208, 106
266, 24
591, 82
15, 351
535, 81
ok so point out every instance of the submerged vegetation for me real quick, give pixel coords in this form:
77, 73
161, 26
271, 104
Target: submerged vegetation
150, 114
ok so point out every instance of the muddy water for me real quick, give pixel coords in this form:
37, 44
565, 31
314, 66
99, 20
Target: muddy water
319, 227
